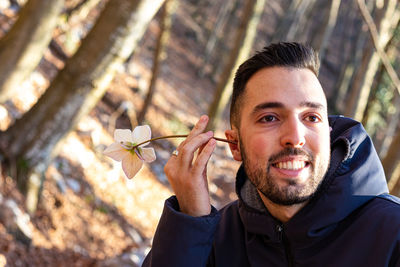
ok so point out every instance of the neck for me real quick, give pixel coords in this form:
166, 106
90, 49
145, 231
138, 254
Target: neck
281, 212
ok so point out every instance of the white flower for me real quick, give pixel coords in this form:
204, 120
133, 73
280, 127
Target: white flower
122, 149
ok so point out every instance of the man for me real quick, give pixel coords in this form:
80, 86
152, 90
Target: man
312, 191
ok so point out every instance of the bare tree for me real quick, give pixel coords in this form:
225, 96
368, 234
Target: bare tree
320, 41
294, 20
352, 53
77, 15
242, 46
391, 164
159, 54
218, 33
23, 46
396, 188
76, 7
32, 140
390, 131
366, 73
383, 135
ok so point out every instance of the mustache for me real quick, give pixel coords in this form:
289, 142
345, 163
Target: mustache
291, 151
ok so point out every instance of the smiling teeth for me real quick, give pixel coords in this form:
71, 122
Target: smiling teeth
291, 165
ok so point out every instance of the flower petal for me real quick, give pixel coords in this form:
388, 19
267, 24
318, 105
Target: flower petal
141, 134
131, 164
148, 154
123, 135
115, 151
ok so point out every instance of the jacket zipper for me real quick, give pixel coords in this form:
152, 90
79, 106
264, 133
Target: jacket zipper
285, 241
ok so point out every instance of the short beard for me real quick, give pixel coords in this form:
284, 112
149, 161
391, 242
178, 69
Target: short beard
293, 193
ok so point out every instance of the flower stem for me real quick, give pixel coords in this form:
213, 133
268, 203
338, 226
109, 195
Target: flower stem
179, 136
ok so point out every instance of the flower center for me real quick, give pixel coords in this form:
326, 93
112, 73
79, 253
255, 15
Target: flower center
127, 145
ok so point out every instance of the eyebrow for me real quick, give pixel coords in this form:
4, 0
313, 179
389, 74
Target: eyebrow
312, 105
267, 105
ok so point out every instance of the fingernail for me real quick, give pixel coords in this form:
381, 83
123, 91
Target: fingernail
203, 118
209, 133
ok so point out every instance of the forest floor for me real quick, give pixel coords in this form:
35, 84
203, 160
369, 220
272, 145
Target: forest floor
89, 213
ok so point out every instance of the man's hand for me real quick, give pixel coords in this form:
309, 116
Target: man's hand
188, 178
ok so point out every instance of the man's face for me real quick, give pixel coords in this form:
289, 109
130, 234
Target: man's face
284, 134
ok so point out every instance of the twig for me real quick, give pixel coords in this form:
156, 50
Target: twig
179, 136
381, 53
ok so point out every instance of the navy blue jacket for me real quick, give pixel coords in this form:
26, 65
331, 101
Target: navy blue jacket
351, 221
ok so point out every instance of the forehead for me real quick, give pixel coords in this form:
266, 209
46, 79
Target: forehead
289, 86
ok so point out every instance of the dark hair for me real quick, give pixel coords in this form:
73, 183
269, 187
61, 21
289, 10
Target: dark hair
282, 54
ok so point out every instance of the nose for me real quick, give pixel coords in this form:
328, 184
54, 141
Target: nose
293, 133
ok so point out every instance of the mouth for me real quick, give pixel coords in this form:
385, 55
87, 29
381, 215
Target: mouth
291, 164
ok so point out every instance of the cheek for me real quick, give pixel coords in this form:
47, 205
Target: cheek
258, 147
319, 144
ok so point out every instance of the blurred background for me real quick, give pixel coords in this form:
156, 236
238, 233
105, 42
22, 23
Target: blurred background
73, 71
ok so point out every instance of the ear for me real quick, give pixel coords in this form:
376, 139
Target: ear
232, 135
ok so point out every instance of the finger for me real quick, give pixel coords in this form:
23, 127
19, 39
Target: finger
197, 129
200, 164
171, 168
202, 147
186, 152
174, 155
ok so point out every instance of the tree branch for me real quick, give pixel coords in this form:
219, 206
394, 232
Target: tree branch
375, 36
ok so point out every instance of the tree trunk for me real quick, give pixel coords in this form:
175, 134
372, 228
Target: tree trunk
391, 163
393, 118
391, 53
220, 55
76, 7
77, 15
286, 21
390, 131
298, 29
366, 72
350, 60
245, 35
396, 187
321, 41
159, 54
23, 46
32, 140
294, 19
223, 17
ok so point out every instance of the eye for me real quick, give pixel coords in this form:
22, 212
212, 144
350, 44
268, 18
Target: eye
313, 118
268, 118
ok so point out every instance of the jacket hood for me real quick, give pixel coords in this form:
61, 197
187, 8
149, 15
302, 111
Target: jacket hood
354, 177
